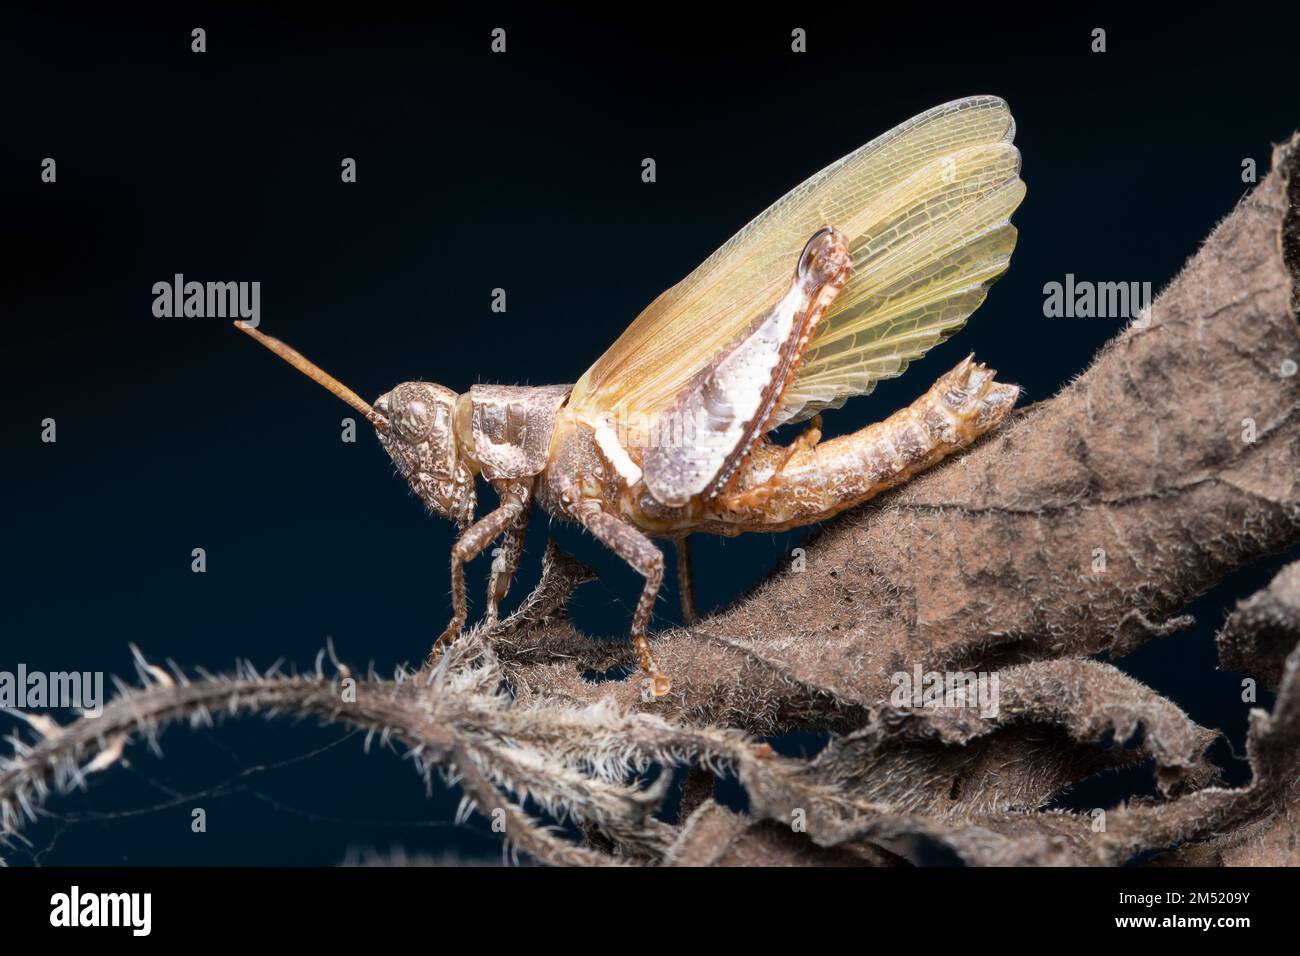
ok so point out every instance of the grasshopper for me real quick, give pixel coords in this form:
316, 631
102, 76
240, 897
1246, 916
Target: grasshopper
838, 285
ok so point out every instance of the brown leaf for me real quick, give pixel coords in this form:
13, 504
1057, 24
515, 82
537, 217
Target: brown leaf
1051, 719
714, 836
1258, 634
1084, 525
1260, 818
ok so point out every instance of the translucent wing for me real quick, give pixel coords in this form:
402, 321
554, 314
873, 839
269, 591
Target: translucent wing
924, 211
920, 272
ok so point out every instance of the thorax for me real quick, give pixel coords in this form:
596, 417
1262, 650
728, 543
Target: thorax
507, 429
590, 464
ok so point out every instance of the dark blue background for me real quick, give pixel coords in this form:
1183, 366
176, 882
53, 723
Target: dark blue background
477, 171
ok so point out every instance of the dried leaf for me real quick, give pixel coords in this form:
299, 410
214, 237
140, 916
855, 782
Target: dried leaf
1258, 634
714, 836
1082, 526
1053, 717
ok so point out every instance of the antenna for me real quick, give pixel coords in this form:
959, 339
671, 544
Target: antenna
317, 375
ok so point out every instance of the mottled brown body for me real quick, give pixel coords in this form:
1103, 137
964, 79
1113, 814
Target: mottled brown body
665, 435
532, 448
782, 487
776, 488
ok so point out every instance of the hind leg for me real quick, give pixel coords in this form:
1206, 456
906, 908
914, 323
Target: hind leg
787, 487
685, 580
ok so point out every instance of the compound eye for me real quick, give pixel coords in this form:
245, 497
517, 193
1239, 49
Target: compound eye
414, 420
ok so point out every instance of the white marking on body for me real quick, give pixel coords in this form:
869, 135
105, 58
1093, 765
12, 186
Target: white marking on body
744, 377
614, 452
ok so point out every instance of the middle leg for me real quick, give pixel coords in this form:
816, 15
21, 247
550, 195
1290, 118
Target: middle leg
642, 553
505, 562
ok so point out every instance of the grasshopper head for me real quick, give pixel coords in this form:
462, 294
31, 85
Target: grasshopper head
421, 439
416, 424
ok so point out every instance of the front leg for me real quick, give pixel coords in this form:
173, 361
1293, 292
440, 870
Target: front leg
514, 502
642, 553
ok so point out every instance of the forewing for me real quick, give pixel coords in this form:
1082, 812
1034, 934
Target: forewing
686, 327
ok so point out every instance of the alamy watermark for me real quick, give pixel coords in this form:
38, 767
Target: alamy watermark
208, 300
133, 911
1082, 299
946, 689
80, 690
668, 429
